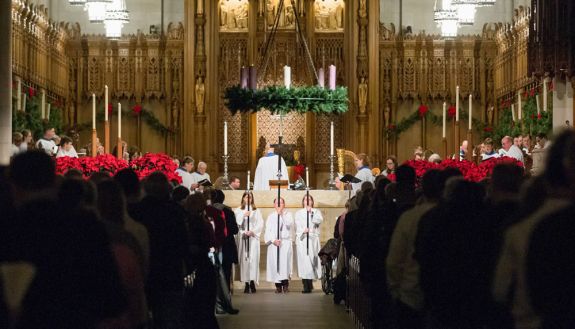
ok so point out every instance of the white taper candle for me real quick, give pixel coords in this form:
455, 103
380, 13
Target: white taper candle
225, 138
444, 119
93, 111
470, 111
519, 114
457, 103
331, 140
120, 120
106, 103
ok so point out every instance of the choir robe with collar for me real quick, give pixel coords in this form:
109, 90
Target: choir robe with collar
365, 175
46, 145
286, 248
308, 264
187, 179
266, 170
249, 265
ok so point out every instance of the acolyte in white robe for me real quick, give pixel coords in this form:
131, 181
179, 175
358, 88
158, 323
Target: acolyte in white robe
266, 170
249, 264
286, 248
308, 265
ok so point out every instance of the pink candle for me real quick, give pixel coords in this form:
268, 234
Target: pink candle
321, 77
332, 77
253, 78
244, 74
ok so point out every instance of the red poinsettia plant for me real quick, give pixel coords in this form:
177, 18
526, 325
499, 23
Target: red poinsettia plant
451, 111
152, 162
88, 165
137, 109
422, 109
299, 171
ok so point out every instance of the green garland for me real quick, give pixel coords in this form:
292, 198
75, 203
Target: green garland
283, 100
147, 116
394, 130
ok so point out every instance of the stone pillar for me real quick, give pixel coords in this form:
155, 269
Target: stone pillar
5, 82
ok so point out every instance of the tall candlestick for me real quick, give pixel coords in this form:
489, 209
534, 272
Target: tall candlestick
545, 95
538, 106
93, 111
106, 103
287, 76
307, 176
48, 111
24, 102
332, 77
225, 138
444, 119
331, 140
43, 104
470, 111
519, 114
457, 103
513, 112
321, 77
119, 120
248, 182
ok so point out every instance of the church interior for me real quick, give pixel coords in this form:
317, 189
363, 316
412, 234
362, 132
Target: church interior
158, 84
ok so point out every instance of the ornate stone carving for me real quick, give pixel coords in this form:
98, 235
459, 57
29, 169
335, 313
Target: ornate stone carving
329, 15
234, 15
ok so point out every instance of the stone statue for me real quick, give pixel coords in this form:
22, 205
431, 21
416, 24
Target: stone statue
270, 12
490, 115
362, 8
321, 15
242, 16
362, 96
200, 95
289, 19
386, 115
175, 114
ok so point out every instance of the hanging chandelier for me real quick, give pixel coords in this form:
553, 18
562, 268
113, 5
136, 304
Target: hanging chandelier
97, 10
446, 19
77, 2
116, 17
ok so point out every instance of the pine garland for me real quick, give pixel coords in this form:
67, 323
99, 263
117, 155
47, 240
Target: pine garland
533, 123
280, 100
31, 118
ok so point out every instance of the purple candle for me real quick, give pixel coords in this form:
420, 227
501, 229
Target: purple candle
253, 77
244, 73
321, 77
332, 77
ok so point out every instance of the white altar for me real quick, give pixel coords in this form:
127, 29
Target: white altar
331, 204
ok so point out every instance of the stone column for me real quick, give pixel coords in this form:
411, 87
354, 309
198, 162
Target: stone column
5, 82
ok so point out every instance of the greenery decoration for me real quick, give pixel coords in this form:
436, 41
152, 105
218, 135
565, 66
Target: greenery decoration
532, 122
31, 118
394, 130
281, 100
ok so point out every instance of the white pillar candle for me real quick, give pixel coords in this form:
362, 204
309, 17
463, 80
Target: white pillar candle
457, 103
19, 95
287, 76
119, 120
93, 111
331, 140
225, 138
306, 176
519, 114
545, 95
43, 104
538, 106
248, 182
444, 119
470, 111
24, 102
48, 111
106, 103
513, 112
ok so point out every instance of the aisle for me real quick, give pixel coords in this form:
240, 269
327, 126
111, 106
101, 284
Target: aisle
265, 309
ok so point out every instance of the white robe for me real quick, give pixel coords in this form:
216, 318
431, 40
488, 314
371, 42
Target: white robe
286, 247
308, 265
63, 153
267, 170
249, 266
47, 146
197, 177
187, 178
364, 175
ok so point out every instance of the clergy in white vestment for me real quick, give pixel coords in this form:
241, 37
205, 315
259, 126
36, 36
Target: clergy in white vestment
267, 169
46, 143
249, 257
185, 171
66, 148
509, 149
201, 173
363, 172
285, 222
307, 221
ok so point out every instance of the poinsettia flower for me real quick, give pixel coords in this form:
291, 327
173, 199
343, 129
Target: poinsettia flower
422, 110
152, 162
539, 116
451, 111
137, 109
532, 92
31, 92
488, 129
